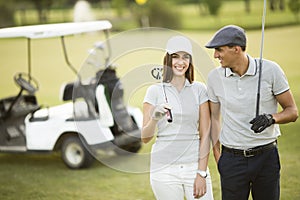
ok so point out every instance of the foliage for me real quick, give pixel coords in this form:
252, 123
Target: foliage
213, 6
43, 8
163, 14
158, 14
119, 5
294, 6
6, 14
276, 4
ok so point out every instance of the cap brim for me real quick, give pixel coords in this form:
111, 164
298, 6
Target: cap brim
210, 46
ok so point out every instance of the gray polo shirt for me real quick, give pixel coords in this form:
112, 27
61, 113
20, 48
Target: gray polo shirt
177, 142
237, 97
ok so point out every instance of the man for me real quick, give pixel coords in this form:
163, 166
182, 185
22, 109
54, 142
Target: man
249, 160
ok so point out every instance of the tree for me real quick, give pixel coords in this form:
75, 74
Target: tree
42, 7
119, 5
6, 14
294, 6
213, 6
273, 4
247, 6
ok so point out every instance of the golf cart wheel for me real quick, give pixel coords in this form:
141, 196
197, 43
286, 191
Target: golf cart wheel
74, 154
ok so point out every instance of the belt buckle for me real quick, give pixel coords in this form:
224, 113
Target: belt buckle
247, 153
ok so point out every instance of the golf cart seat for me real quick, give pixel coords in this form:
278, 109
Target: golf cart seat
12, 118
94, 96
76, 90
66, 93
115, 93
24, 105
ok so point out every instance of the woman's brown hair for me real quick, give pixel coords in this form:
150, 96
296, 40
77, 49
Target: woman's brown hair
168, 72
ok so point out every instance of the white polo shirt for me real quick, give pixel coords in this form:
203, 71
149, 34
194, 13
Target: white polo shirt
177, 142
237, 97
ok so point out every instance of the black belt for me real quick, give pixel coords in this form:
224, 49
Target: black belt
252, 151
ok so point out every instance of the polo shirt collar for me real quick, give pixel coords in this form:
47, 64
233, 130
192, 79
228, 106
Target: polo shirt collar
187, 83
252, 69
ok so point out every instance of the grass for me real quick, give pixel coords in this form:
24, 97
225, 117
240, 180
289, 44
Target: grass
45, 177
31, 176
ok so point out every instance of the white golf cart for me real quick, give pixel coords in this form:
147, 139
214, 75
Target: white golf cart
91, 116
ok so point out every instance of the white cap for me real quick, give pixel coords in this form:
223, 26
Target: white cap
179, 43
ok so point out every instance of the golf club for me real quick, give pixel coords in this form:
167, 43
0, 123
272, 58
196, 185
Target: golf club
169, 113
156, 73
260, 59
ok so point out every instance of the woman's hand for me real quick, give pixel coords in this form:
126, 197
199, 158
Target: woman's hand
199, 186
160, 111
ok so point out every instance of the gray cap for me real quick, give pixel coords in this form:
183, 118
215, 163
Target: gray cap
228, 36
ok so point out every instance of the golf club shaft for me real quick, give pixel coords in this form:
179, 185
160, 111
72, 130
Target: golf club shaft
260, 58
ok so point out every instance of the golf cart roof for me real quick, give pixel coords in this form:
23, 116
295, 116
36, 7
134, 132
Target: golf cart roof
54, 30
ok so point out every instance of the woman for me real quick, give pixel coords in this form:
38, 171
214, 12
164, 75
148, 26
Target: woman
179, 156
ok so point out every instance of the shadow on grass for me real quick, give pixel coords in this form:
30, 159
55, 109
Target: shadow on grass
36, 160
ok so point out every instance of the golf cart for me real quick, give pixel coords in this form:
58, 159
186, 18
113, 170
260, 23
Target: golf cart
92, 114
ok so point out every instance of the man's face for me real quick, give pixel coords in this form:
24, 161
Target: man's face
226, 55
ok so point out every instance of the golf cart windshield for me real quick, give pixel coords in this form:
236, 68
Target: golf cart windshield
56, 30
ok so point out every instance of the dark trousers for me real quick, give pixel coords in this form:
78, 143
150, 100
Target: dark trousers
259, 174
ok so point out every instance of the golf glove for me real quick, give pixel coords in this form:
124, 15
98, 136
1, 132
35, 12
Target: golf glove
159, 111
261, 122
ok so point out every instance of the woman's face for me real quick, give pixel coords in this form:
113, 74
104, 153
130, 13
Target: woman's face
180, 63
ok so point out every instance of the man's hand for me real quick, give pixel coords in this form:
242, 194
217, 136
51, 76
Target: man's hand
261, 122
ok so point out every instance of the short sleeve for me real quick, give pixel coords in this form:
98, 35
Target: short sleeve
200, 91
151, 95
280, 82
211, 82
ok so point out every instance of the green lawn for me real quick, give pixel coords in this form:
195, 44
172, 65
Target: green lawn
45, 176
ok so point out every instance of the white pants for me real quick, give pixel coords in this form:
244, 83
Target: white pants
177, 181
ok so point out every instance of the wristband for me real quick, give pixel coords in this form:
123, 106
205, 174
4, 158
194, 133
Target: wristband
203, 174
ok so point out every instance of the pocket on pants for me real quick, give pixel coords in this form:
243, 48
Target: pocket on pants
229, 163
272, 164
219, 162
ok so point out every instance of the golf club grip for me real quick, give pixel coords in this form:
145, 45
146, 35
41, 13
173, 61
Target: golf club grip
169, 115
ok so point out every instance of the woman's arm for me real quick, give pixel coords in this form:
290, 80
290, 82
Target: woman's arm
149, 124
204, 132
204, 149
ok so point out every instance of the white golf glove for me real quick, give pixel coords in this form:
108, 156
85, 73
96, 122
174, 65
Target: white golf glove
160, 111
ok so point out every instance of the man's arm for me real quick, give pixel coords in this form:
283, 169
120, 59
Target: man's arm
215, 128
288, 114
289, 111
